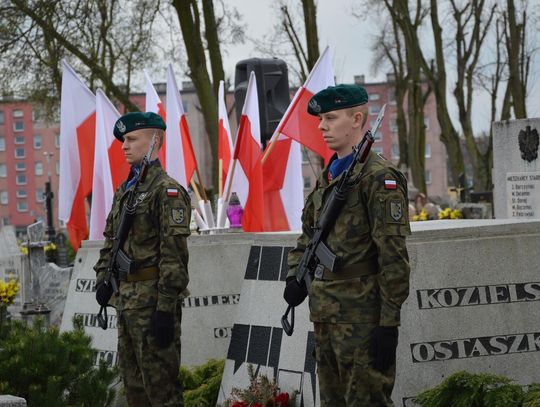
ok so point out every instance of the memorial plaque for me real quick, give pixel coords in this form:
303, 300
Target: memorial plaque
36, 232
523, 194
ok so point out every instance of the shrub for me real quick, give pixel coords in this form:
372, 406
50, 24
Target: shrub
464, 389
49, 368
201, 383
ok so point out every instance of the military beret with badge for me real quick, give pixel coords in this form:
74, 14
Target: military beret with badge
136, 121
337, 97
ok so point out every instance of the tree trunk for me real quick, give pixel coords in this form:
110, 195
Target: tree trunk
514, 49
189, 17
214, 51
312, 37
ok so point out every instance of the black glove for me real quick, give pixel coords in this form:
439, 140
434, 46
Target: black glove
104, 293
295, 293
384, 340
163, 328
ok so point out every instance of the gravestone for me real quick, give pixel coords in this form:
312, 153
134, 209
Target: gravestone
14, 265
516, 169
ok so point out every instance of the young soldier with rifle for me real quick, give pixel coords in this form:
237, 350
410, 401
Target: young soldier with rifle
351, 257
142, 268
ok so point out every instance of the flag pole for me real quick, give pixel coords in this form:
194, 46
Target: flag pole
220, 177
229, 187
205, 198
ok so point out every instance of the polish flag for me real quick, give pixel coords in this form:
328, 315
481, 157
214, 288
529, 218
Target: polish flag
225, 144
283, 186
180, 157
297, 123
77, 136
154, 104
247, 178
110, 165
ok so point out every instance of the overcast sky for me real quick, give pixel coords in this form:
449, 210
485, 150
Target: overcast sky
350, 40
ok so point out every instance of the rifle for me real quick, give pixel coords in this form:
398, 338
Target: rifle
119, 262
317, 256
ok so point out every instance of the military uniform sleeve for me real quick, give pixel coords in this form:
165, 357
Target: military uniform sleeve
175, 215
105, 253
388, 213
295, 255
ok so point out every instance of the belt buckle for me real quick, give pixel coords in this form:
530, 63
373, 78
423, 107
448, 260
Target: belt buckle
319, 271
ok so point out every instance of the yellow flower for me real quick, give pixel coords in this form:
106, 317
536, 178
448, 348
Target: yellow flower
456, 214
8, 291
24, 250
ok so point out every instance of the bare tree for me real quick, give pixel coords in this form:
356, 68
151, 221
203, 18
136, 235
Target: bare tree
107, 39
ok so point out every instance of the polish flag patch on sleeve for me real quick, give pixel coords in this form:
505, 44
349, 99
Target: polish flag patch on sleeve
172, 192
390, 184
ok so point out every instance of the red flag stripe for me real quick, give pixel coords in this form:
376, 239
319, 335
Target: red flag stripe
189, 155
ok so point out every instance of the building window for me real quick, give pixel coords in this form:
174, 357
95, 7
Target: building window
374, 96
57, 141
19, 152
4, 197
428, 177
18, 126
307, 182
40, 195
374, 108
426, 122
21, 193
395, 151
5, 221
305, 155
37, 141
58, 168
39, 168
22, 206
378, 150
392, 96
2, 144
21, 179
18, 113
428, 150
1, 117
19, 140
3, 170
20, 166
393, 125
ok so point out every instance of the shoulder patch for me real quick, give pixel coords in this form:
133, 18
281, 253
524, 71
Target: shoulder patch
177, 215
396, 210
172, 192
390, 184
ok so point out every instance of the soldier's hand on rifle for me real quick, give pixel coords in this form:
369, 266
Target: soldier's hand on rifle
295, 293
384, 340
103, 294
163, 328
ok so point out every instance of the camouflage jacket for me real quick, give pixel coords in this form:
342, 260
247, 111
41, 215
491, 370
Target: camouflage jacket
372, 225
158, 237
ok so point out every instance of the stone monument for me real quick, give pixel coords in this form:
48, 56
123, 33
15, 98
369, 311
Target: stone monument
516, 169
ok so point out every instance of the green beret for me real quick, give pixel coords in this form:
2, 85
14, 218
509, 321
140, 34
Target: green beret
135, 121
337, 97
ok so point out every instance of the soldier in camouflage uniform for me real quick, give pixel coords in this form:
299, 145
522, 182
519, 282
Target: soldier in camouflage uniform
355, 309
148, 305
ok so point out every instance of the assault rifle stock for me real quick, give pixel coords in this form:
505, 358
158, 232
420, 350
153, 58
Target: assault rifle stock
317, 256
120, 261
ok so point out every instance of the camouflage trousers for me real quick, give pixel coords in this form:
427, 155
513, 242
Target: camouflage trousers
150, 373
346, 377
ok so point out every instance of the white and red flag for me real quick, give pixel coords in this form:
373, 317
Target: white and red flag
247, 177
154, 104
77, 135
283, 186
225, 144
180, 157
110, 165
297, 123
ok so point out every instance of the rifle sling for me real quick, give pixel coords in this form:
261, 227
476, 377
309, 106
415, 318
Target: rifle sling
144, 274
365, 268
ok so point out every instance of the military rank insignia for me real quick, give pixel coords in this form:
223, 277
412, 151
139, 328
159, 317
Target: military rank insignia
390, 184
177, 215
172, 192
